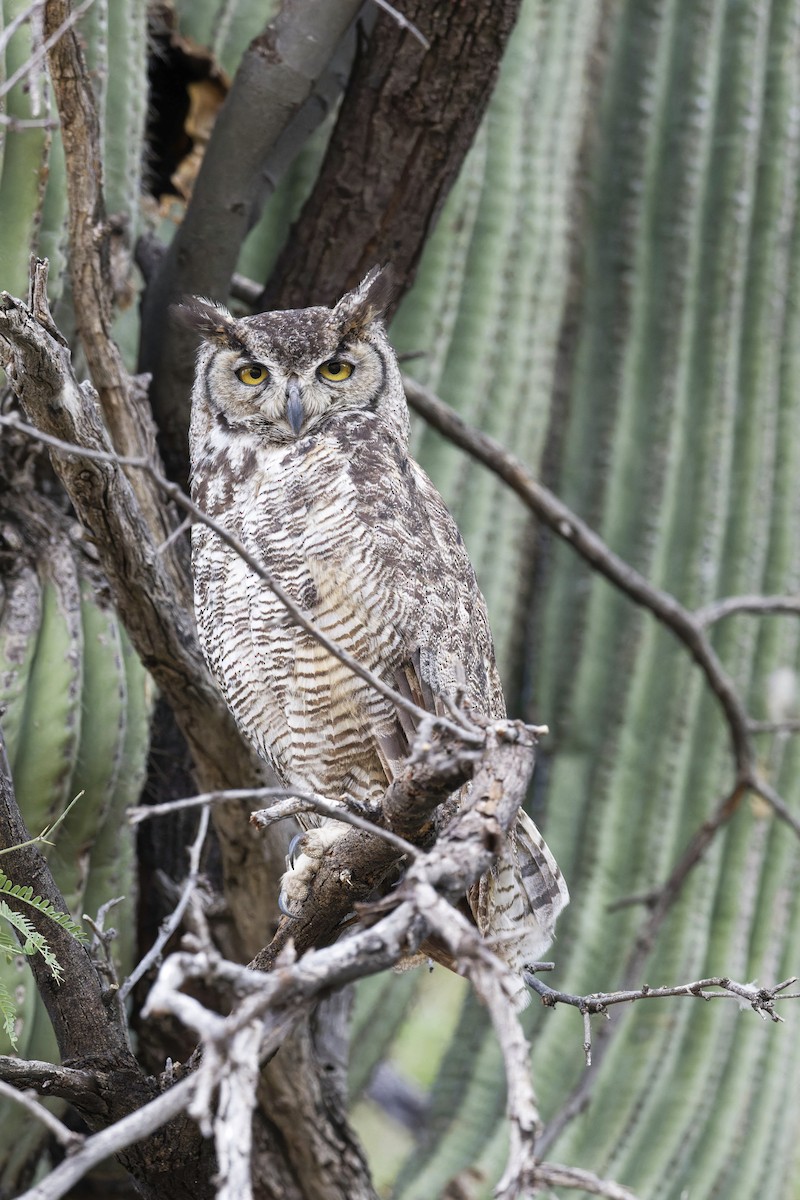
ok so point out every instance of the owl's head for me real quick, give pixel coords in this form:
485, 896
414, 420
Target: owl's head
283, 375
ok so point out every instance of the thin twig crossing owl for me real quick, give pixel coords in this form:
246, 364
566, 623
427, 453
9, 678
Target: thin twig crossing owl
299, 447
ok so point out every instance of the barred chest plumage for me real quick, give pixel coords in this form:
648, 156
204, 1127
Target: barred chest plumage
310, 512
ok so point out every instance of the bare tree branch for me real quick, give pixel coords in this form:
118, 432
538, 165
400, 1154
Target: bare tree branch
420, 910
462, 853
687, 626
761, 999
104, 1081
546, 1174
230, 795
78, 1085
48, 44
298, 614
119, 1136
337, 811
161, 627
88, 1034
759, 605
67, 1137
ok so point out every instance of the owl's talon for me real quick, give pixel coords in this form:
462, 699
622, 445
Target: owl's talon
293, 844
284, 908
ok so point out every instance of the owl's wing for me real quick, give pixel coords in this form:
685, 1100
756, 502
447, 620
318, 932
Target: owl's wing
542, 881
449, 643
519, 900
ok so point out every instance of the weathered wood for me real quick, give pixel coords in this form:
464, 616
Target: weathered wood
407, 120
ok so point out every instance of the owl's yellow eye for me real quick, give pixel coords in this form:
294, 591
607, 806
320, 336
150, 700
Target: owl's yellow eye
336, 370
252, 374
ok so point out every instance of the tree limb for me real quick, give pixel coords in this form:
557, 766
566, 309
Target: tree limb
123, 399
546, 1174
761, 999
400, 138
67, 1137
125, 1133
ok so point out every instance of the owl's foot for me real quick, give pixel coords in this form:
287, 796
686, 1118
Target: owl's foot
301, 868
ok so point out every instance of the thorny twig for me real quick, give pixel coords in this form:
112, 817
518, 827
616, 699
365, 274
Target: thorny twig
761, 999
172, 923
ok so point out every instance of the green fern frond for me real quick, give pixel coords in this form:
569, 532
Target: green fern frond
9, 946
45, 907
8, 1009
34, 941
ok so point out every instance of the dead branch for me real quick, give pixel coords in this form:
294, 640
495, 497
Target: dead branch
104, 1081
691, 630
420, 909
687, 626
28, 1100
298, 614
173, 922
231, 795
361, 862
41, 51
760, 999
92, 1036
123, 399
125, 1133
293, 805
546, 1174
78, 1085
759, 605
162, 630
461, 854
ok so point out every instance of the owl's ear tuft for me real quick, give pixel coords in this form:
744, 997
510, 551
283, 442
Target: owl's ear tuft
212, 321
368, 302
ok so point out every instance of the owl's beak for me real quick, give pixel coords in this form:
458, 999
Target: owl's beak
295, 413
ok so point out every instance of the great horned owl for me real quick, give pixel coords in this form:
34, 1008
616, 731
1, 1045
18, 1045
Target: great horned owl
299, 447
